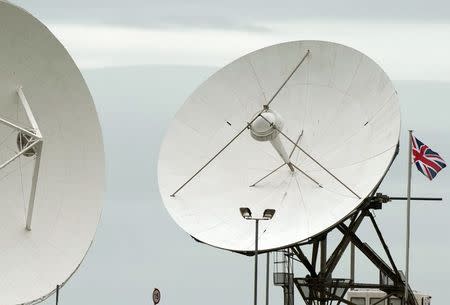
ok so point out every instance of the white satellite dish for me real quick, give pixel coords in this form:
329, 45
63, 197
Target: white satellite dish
51, 161
308, 128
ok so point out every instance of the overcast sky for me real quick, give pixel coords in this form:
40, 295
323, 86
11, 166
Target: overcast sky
408, 38
232, 14
138, 246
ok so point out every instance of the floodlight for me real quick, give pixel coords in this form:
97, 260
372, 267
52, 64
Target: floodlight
268, 213
245, 212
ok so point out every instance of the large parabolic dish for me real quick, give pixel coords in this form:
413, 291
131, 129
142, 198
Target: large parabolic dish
321, 146
52, 161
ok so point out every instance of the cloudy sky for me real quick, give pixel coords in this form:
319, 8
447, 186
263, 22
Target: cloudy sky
145, 47
406, 37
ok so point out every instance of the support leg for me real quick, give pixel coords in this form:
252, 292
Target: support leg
352, 262
37, 163
57, 294
267, 276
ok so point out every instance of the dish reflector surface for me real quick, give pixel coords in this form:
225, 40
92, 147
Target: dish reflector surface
338, 105
70, 184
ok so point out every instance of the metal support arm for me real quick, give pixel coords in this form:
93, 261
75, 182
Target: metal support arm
312, 158
26, 148
340, 249
29, 113
265, 107
35, 142
364, 248
304, 260
37, 163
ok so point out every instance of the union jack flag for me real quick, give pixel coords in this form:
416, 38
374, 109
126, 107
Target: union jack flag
427, 161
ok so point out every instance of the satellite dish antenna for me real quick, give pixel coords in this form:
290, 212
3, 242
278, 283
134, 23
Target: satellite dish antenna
51, 161
308, 128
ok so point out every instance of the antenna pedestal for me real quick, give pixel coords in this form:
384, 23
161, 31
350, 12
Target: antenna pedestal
320, 287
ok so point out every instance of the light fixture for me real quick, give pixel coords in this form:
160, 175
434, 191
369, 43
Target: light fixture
245, 212
268, 214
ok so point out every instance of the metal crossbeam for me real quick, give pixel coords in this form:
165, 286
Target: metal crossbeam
265, 107
312, 158
369, 253
35, 133
340, 249
295, 146
273, 171
306, 175
304, 260
17, 127
29, 113
385, 247
321, 283
35, 143
214, 157
26, 148
287, 79
315, 252
37, 163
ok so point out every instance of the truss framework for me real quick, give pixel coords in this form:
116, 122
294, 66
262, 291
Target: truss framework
30, 143
319, 286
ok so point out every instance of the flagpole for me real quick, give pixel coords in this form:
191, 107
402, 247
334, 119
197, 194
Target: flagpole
408, 215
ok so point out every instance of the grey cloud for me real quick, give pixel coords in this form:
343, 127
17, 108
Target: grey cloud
249, 15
